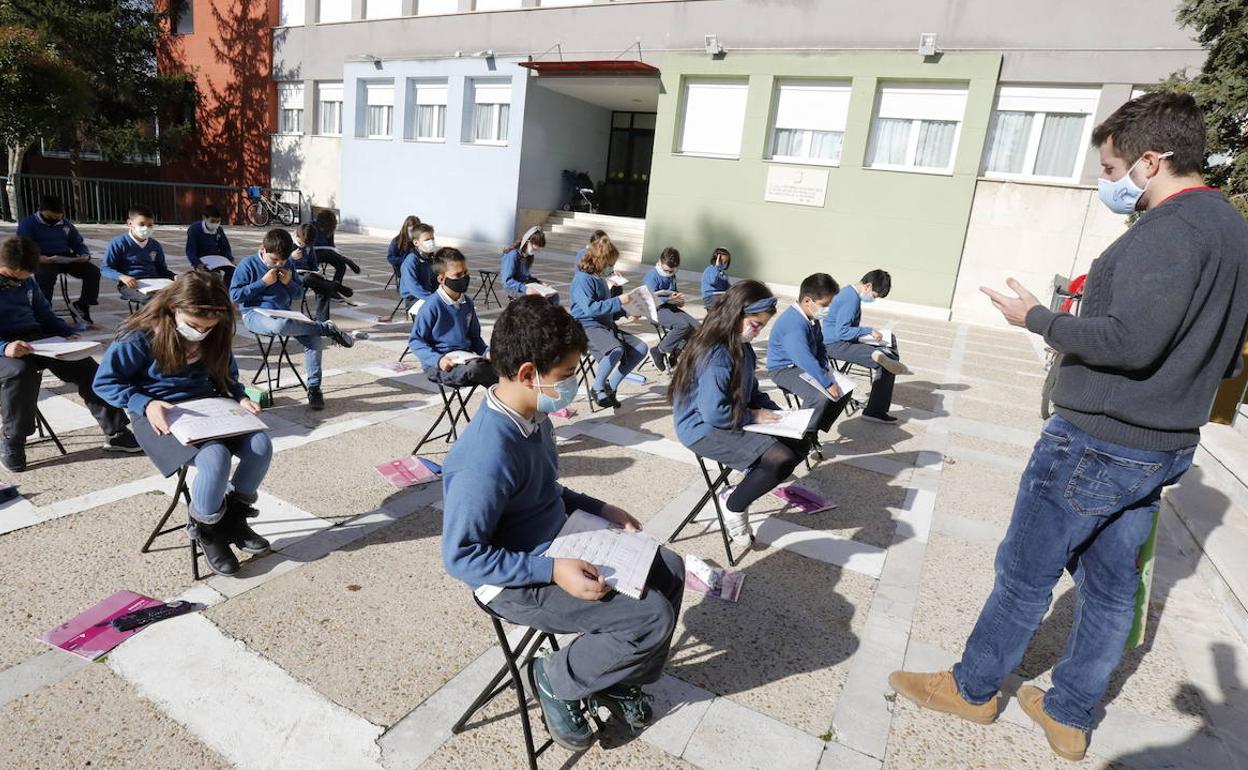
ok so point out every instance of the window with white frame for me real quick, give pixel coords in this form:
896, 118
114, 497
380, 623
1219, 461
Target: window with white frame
379, 117
383, 9
329, 109
290, 108
436, 7
917, 127
496, 5
428, 112
1038, 132
552, 3
292, 13
714, 117
333, 10
491, 112
810, 122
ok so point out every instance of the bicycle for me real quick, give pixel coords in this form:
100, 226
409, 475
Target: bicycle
262, 210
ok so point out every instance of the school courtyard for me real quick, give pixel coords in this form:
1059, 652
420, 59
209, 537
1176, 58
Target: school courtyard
349, 647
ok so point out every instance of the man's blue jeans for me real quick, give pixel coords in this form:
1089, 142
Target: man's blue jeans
1085, 505
310, 335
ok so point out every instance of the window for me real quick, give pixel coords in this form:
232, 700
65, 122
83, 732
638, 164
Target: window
550, 3
436, 7
329, 109
428, 112
810, 122
497, 5
380, 115
1040, 132
917, 128
290, 108
334, 10
291, 13
714, 118
491, 112
183, 17
383, 9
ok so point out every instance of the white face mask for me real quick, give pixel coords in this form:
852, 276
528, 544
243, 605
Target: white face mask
750, 330
427, 247
211, 227
820, 311
141, 232
663, 271
190, 333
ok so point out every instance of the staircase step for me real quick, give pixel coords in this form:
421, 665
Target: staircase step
570, 231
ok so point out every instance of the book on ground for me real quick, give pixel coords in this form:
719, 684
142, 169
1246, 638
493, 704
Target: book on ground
623, 558
90, 634
641, 303
804, 500
293, 315
792, 424
153, 285
886, 339
215, 262
203, 419
407, 472
66, 350
715, 582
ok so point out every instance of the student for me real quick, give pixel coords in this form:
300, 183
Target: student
518, 262
417, 281
305, 263
795, 348
843, 331
25, 315
135, 254
265, 280
715, 277
175, 349
448, 323
504, 505
715, 392
205, 238
403, 244
616, 352
661, 280
57, 237
594, 237
326, 225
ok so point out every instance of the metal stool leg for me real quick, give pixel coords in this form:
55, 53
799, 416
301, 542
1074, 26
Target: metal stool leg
45, 430
712, 485
585, 370
64, 281
454, 408
181, 492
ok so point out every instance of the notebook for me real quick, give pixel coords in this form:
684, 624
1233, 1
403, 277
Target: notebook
622, 558
407, 472
543, 290
616, 279
293, 315
886, 339
215, 261
152, 285
792, 424
202, 419
66, 350
843, 383
462, 356
641, 303
89, 634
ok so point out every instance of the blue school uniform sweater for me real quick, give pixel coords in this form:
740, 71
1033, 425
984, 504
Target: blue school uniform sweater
708, 403
592, 303
844, 315
201, 243
323, 238
55, 239
515, 274
442, 327
124, 256
502, 501
304, 258
25, 311
129, 379
247, 289
392, 252
416, 277
657, 282
713, 281
795, 341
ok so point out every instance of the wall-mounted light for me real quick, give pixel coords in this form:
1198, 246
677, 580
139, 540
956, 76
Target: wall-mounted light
927, 44
713, 46
369, 57
487, 54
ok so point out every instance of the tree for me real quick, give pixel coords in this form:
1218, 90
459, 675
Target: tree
1221, 89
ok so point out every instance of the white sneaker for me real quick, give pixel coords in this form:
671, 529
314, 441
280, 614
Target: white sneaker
738, 523
894, 366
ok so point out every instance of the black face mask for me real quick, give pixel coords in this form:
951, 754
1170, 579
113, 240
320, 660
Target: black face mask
7, 282
457, 285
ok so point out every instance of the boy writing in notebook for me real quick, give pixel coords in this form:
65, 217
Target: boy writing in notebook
503, 505
796, 358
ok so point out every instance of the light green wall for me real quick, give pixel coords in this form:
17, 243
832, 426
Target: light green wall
911, 224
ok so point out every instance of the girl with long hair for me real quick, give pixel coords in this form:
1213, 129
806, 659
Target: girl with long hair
326, 251
516, 271
616, 352
404, 243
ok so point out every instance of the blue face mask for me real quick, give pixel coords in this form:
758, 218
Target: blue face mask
868, 297
1122, 195
567, 394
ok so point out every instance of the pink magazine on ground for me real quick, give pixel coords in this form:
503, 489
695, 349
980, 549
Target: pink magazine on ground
729, 588
89, 634
406, 472
803, 499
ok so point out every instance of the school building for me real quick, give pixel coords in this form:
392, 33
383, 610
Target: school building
944, 141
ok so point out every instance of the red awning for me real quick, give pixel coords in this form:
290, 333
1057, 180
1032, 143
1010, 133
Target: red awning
608, 68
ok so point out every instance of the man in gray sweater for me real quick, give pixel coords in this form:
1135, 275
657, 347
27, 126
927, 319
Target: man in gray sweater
1163, 321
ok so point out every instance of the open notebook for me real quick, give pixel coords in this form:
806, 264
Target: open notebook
792, 424
293, 315
66, 350
215, 261
641, 303
202, 419
153, 285
622, 558
886, 339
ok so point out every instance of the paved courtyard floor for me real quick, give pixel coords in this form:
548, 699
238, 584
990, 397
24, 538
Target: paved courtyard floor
349, 647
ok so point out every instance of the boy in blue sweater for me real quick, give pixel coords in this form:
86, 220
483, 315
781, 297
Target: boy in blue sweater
715, 277
447, 331
265, 281
206, 238
844, 333
61, 250
503, 505
25, 315
135, 254
796, 348
417, 281
675, 322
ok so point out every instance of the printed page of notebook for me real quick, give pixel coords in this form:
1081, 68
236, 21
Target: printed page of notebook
293, 315
150, 285
792, 424
205, 418
462, 356
642, 304
885, 341
622, 558
59, 347
214, 261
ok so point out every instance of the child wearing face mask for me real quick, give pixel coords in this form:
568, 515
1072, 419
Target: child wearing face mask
178, 348
417, 281
205, 238
714, 393
134, 255
677, 324
402, 244
795, 347
515, 271
266, 280
503, 507
715, 277
326, 225
616, 352
844, 333
306, 261
448, 324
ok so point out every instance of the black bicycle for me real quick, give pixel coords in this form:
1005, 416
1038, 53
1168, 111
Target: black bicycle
262, 209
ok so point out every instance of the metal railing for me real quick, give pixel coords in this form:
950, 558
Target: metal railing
96, 200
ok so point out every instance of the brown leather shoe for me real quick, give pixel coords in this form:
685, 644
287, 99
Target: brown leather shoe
1067, 742
940, 693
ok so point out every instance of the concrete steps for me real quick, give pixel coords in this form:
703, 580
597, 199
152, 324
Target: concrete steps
569, 232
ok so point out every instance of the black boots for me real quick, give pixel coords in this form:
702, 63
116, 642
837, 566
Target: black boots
13, 454
232, 530
238, 531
